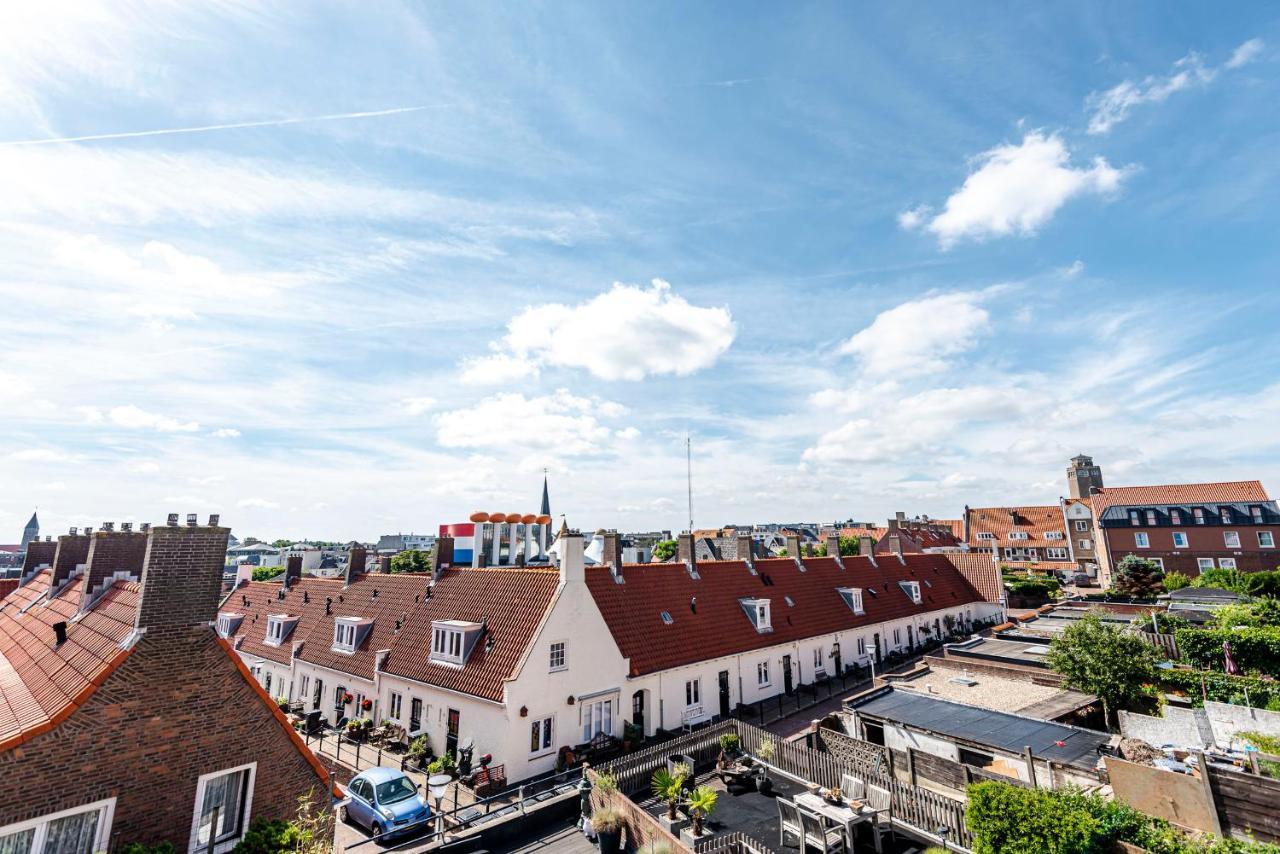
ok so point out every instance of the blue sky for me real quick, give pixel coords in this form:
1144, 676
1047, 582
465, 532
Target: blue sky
871, 258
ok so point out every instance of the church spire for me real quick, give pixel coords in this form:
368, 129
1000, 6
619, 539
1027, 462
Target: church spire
30, 532
546, 499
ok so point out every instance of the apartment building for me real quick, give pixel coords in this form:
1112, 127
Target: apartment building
1027, 537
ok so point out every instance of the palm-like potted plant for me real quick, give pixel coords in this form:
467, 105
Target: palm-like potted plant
764, 753
702, 802
607, 824
669, 788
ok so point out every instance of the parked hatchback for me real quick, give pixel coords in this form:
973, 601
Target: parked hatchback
386, 802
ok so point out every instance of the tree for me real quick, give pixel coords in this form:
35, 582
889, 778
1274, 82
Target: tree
665, 550
1224, 579
280, 544
1105, 660
263, 573
849, 546
413, 560
1264, 584
1138, 577
250, 541
1176, 581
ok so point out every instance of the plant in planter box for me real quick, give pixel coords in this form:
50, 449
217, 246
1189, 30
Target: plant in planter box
669, 788
730, 748
606, 783
607, 824
420, 750
702, 802
631, 735
765, 753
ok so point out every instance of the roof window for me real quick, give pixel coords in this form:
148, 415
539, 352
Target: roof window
453, 640
852, 597
912, 589
666, 618
759, 613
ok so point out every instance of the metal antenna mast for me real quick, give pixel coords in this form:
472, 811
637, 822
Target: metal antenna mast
688, 459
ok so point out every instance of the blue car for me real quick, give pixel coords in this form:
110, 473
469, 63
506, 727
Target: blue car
386, 802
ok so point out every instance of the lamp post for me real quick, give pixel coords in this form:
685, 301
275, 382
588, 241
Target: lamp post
437, 785
944, 832
584, 796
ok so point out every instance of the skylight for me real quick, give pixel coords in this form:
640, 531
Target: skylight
666, 618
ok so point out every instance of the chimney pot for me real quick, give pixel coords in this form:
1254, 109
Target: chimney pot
192, 520
126, 526
172, 521
214, 519
108, 526
73, 532
146, 526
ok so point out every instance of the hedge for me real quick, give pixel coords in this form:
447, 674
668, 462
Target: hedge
1253, 649
1262, 693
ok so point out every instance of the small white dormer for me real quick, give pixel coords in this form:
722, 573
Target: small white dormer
853, 598
912, 589
278, 628
348, 632
228, 623
453, 640
759, 612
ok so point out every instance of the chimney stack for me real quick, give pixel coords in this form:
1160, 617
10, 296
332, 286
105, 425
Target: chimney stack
572, 566
613, 551
746, 551
39, 553
833, 548
895, 545
181, 578
356, 559
685, 552
442, 555
966, 523
73, 551
867, 548
292, 571
793, 546
111, 555
384, 563
893, 524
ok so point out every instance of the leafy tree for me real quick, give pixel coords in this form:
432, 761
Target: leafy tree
250, 541
413, 560
1264, 584
1224, 579
264, 573
665, 550
849, 546
279, 544
1263, 612
1104, 660
1176, 581
1138, 577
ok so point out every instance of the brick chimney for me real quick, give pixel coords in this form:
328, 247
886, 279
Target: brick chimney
685, 552
893, 524
39, 553
867, 548
613, 551
355, 564
292, 571
112, 554
793, 546
181, 577
384, 563
895, 545
572, 566
746, 550
73, 551
966, 523
441, 555
833, 548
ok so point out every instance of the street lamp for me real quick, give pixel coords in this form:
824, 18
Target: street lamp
437, 785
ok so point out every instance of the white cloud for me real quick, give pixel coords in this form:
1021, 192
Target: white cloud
916, 337
40, 455
417, 405
560, 423
226, 433
1245, 53
257, 503
1113, 106
134, 418
145, 467
1071, 271
1015, 189
915, 217
625, 333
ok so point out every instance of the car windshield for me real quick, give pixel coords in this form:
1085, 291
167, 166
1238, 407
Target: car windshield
394, 791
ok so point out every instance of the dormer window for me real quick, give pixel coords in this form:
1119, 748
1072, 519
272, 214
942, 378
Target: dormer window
1256, 512
1053, 535
1198, 514
1151, 517
853, 598
912, 589
1018, 535
453, 640
347, 633
278, 628
1225, 512
1175, 516
758, 612
228, 623
1135, 518
986, 535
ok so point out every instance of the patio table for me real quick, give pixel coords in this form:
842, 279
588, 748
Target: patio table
846, 814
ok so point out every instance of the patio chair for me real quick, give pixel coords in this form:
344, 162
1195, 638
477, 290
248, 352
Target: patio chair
788, 821
881, 801
852, 788
818, 835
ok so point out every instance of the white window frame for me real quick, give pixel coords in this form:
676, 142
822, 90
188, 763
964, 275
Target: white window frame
1087, 545
447, 644
1226, 563
986, 535
1204, 563
1270, 542
819, 661
1053, 535
1141, 540
276, 629
546, 736
1019, 535
224, 624
1082, 525
1180, 535
763, 679
855, 599
395, 705
563, 648
195, 845
693, 692
1158, 561
589, 718
105, 808
1055, 553
1228, 537
912, 589
763, 614
861, 646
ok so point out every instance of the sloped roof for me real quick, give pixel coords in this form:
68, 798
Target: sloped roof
378, 596
718, 626
1033, 520
1178, 493
258, 600
981, 571
510, 602
42, 683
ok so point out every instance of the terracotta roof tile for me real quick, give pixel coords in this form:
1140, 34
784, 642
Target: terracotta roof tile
719, 626
1035, 521
398, 594
981, 571
1178, 493
304, 600
512, 602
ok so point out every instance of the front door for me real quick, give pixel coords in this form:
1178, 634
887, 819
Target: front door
451, 736
338, 705
724, 693
877, 640
787, 687
415, 715
911, 638
637, 710
835, 659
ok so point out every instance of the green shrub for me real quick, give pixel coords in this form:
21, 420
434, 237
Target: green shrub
1222, 688
1263, 584
265, 573
1253, 648
1225, 579
268, 837
139, 848
1176, 581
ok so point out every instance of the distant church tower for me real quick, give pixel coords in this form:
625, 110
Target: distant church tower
1083, 476
30, 533
546, 499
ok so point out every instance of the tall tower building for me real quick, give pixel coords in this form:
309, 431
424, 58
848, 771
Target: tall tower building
1083, 476
29, 533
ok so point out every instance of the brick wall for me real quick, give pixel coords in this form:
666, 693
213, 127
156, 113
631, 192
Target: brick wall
73, 550
111, 552
176, 708
182, 579
39, 553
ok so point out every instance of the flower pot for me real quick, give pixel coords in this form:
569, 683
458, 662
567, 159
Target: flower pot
672, 825
610, 840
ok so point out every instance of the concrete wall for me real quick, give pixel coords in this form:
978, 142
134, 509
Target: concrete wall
1214, 725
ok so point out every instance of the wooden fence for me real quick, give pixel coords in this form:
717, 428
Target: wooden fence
731, 843
641, 828
1246, 804
1167, 644
634, 771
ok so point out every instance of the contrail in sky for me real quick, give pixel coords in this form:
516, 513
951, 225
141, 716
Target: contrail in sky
230, 126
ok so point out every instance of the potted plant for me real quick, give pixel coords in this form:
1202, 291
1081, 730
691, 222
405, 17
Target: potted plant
366, 704
420, 751
607, 824
631, 736
730, 747
669, 788
764, 753
702, 802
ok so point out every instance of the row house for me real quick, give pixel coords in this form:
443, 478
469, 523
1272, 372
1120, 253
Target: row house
522, 661
1187, 528
1031, 537
124, 718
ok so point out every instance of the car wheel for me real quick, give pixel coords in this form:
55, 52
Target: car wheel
376, 830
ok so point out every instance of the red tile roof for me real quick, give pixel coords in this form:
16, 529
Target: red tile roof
1178, 493
42, 683
511, 602
1033, 520
381, 597
719, 626
258, 600
981, 571
7, 586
